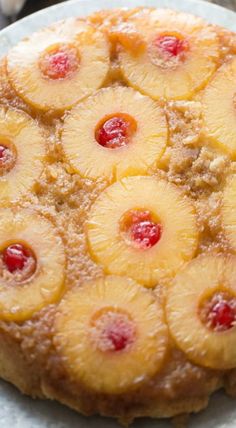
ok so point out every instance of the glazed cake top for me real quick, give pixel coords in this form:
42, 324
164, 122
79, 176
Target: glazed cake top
117, 159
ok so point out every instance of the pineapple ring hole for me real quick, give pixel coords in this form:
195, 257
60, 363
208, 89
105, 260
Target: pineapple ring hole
140, 228
8, 156
17, 261
59, 61
112, 330
218, 311
115, 131
167, 50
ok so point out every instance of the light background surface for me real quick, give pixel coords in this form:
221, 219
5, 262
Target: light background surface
34, 5
17, 411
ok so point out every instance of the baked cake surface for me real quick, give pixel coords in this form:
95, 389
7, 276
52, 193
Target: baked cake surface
118, 213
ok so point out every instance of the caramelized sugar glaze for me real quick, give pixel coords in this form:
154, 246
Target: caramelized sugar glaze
117, 234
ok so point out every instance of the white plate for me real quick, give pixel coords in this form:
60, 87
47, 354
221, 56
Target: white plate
17, 411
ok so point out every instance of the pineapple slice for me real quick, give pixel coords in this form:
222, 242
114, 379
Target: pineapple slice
181, 55
60, 65
143, 228
126, 35
229, 211
22, 151
201, 311
219, 108
112, 334
114, 139
32, 264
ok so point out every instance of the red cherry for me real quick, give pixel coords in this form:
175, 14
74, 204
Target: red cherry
3, 152
119, 333
145, 233
59, 65
113, 331
171, 45
15, 257
113, 133
118, 338
222, 315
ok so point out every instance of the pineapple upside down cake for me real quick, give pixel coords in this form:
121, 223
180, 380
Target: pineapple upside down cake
118, 213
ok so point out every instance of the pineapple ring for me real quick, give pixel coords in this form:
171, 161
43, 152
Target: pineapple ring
19, 301
92, 160
229, 211
23, 65
219, 108
177, 217
200, 279
179, 80
23, 136
105, 371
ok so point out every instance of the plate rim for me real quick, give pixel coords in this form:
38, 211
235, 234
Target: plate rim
31, 20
